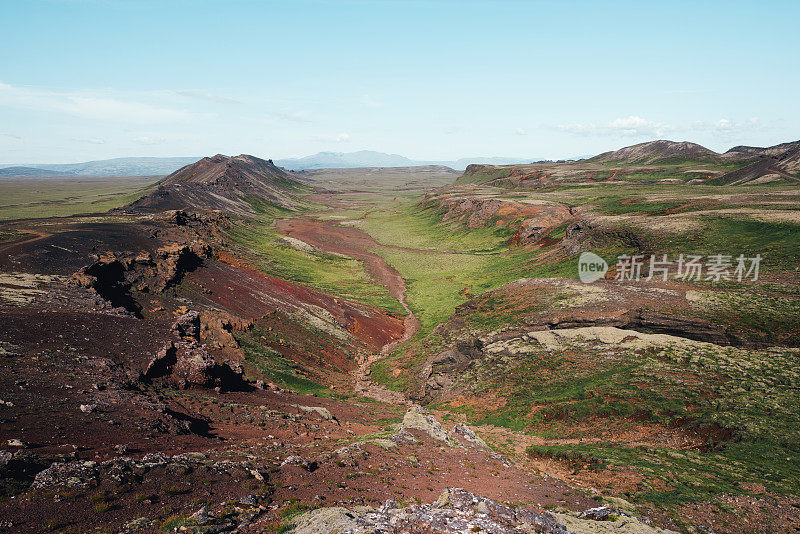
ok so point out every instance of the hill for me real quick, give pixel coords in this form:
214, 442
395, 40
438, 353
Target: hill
661, 151
235, 184
116, 166
652, 162
778, 162
776, 151
379, 178
29, 172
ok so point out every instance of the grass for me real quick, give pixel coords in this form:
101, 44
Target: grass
558, 394
174, 522
174, 490
689, 476
408, 225
763, 314
777, 242
273, 367
751, 394
62, 197
342, 276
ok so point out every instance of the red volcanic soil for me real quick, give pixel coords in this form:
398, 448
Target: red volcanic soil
268, 301
348, 241
62, 360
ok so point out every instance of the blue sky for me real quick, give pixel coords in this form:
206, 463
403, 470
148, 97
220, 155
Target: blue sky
440, 79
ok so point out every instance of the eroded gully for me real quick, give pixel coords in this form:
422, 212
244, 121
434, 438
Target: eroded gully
356, 244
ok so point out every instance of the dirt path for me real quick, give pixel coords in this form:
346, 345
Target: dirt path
356, 244
36, 237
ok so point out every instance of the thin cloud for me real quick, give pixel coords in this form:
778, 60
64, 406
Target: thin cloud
147, 140
727, 125
371, 102
11, 136
521, 131
631, 126
91, 141
199, 95
634, 126
334, 138
295, 116
87, 105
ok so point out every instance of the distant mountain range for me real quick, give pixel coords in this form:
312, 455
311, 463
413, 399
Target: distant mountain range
27, 171
369, 158
105, 167
783, 160
164, 166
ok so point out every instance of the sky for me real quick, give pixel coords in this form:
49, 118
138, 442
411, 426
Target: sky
435, 80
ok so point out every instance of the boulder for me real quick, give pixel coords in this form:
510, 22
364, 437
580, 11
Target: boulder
319, 410
418, 418
464, 433
325, 521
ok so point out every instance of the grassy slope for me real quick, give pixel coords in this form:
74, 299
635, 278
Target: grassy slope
753, 393
338, 275
672, 168
461, 262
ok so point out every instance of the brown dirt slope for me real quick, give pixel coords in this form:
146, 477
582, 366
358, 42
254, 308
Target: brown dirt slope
658, 151
222, 183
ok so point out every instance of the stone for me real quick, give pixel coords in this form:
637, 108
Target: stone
456, 511
467, 434
419, 418
295, 460
319, 410
249, 500
325, 521
187, 325
600, 513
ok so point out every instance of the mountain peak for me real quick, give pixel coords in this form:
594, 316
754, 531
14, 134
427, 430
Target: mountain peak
224, 183
659, 151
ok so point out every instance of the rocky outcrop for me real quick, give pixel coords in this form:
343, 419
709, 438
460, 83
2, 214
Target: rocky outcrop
324, 413
216, 330
530, 221
464, 433
439, 373
87, 474
456, 511
186, 364
418, 418
112, 275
